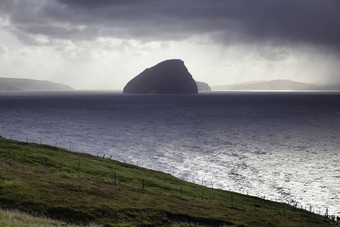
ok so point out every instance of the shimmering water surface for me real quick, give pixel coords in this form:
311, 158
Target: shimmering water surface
281, 146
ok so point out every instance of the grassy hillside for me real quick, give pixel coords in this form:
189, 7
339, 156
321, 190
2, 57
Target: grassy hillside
20, 219
80, 189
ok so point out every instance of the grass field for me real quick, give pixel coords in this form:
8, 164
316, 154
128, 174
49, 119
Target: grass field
20, 219
82, 189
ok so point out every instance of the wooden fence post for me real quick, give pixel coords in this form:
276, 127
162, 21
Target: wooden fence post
232, 200
78, 169
61, 168
45, 165
114, 178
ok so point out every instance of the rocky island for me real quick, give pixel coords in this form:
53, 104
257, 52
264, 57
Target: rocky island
203, 87
167, 77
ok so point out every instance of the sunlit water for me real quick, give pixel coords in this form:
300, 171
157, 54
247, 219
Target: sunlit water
281, 146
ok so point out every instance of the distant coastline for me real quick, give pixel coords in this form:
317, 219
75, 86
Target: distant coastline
276, 85
20, 84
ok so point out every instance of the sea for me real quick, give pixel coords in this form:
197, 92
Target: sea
281, 146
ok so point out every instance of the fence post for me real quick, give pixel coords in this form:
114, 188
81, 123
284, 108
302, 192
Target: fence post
61, 168
232, 200
114, 178
143, 183
78, 169
45, 165
40, 141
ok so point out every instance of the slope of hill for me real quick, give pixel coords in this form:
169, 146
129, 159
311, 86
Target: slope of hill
16, 84
275, 85
228, 87
21, 219
80, 189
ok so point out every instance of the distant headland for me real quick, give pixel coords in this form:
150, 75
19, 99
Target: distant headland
276, 85
18, 84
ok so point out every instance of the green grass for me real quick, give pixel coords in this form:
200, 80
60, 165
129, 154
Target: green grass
16, 218
93, 198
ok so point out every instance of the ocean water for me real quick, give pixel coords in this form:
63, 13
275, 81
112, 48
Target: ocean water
281, 146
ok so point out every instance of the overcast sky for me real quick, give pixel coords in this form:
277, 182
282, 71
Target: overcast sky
102, 44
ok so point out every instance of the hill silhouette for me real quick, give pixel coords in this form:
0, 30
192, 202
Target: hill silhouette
167, 77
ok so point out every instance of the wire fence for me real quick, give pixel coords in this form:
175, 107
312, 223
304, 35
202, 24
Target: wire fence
114, 177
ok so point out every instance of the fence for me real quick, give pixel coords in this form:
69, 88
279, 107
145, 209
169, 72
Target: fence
143, 185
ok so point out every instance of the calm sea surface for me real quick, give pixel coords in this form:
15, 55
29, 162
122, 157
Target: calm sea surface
284, 146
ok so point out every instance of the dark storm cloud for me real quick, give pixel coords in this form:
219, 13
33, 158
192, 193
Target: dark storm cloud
279, 22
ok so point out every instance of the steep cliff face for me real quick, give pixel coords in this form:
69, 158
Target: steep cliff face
167, 77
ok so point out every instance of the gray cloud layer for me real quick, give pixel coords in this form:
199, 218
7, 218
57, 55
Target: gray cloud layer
279, 22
